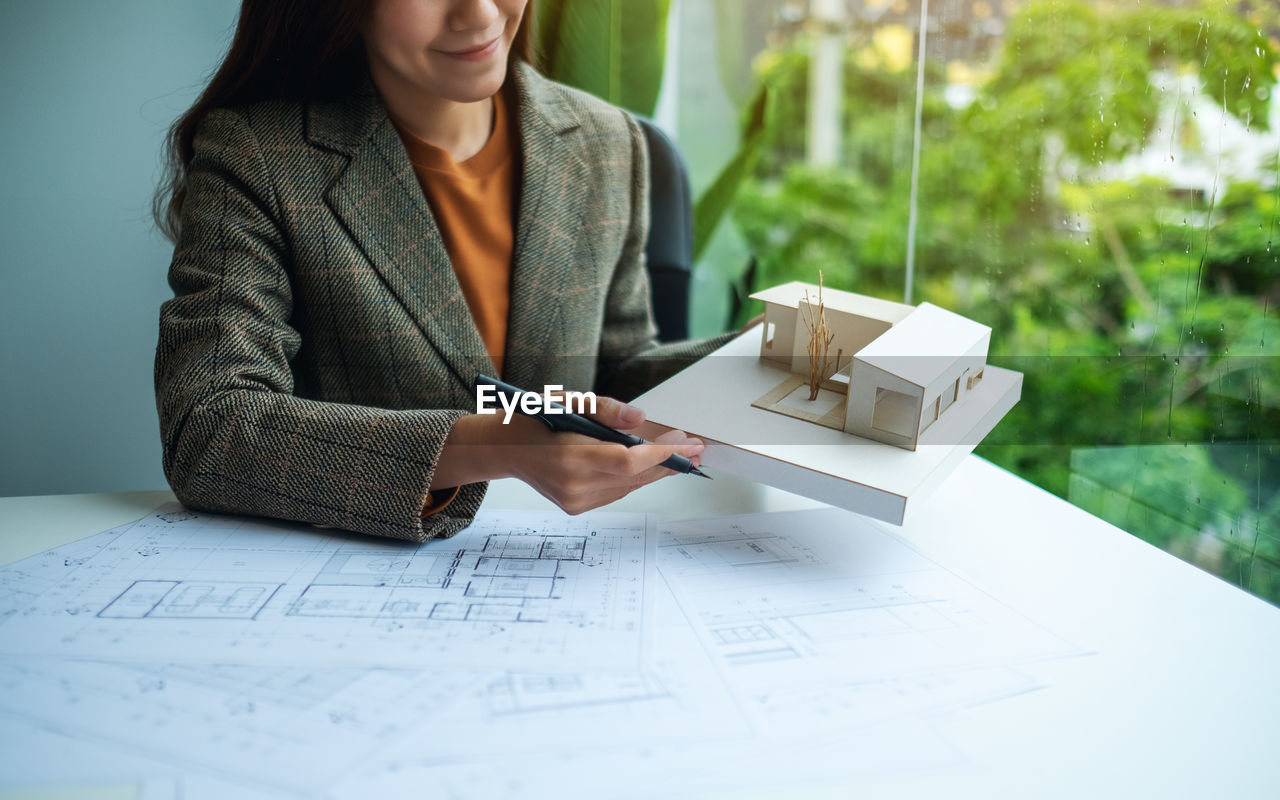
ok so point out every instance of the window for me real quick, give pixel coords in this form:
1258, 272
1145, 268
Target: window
931, 416
1098, 182
949, 396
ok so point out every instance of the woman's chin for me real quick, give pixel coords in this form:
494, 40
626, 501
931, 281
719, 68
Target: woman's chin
473, 85
475, 92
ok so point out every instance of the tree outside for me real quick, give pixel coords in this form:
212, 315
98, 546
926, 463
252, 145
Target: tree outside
1098, 183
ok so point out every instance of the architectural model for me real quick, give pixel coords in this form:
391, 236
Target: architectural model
858, 402
874, 368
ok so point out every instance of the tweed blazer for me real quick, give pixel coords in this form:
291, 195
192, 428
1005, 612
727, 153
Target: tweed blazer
318, 348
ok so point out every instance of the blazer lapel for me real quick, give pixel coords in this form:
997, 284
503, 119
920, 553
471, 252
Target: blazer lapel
379, 201
548, 227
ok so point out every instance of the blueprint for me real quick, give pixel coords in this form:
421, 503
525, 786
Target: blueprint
662, 768
288, 728
516, 589
298, 730
36, 762
819, 618
24, 581
673, 729
786, 650
33, 756
675, 696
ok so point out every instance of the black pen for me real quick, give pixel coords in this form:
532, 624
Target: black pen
561, 420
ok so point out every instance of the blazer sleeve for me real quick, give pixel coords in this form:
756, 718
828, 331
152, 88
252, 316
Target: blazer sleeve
631, 359
235, 437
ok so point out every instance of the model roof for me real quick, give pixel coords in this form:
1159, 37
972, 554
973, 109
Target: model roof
792, 294
920, 347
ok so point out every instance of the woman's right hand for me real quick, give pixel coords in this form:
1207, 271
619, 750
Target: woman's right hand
575, 472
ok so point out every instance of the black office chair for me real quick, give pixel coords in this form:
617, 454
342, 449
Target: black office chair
669, 250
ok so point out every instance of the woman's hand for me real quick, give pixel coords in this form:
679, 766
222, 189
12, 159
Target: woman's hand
575, 472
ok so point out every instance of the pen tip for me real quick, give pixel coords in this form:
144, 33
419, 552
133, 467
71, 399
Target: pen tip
699, 473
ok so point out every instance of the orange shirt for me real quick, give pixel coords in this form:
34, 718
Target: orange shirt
474, 206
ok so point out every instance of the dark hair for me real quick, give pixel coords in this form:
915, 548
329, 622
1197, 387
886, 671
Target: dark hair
282, 50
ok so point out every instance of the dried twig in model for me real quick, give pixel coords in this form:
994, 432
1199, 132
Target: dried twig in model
820, 337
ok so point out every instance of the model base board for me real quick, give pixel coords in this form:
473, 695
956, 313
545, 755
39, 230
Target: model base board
712, 399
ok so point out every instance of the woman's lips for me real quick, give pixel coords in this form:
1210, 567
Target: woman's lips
478, 53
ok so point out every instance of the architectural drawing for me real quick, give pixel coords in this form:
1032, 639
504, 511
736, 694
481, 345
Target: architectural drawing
190, 600
674, 729
720, 767
514, 589
674, 695
508, 580
656, 722
22, 583
797, 647
893, 369
299, 729
295, 729
39, 762
817, 610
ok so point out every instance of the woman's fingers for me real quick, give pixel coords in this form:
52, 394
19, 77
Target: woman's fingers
628, 462
578, 473
617, 414
668, 444
608, 473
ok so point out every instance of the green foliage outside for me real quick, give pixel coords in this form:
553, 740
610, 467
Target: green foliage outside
1142, 313
616, 50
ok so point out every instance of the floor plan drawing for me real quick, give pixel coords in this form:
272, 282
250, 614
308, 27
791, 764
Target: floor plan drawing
518, 577
800, 648
190, 600
523, 589
294, 729
24, 581
675, 696
821, 615
662, 768
39, 762
674, 729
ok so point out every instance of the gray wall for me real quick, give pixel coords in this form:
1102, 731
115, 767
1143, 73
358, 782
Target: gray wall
88, 88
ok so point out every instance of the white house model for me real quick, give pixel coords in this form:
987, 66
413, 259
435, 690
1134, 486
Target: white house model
893, 370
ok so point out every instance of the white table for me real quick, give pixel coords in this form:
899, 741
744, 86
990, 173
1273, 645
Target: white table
1179, 698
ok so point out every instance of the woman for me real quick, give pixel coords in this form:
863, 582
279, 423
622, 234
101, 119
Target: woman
372, 202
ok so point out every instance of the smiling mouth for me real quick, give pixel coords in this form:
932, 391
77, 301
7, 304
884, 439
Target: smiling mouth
478, 51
